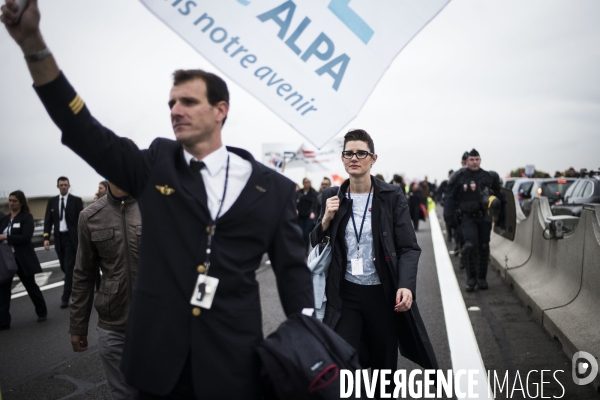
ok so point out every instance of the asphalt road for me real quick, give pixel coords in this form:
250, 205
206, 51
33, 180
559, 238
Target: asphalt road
37, 362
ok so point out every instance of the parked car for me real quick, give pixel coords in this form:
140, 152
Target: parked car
583, 191
521, 187
509, 183
552, 188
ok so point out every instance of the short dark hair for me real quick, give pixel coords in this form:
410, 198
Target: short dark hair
327, 179
361, 135
62, 178
216, 88
104, 183
22, 199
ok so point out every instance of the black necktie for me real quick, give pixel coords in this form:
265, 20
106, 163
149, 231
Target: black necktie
62, 208
197, 165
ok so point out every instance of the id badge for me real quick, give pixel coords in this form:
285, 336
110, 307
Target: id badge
204, 292
357, 266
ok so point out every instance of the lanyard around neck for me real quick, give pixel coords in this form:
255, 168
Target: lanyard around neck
213, 222
357, 233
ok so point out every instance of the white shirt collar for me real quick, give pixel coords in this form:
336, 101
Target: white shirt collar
66, 196
214, 161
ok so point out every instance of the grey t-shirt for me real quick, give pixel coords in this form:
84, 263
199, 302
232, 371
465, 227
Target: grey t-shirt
370, 276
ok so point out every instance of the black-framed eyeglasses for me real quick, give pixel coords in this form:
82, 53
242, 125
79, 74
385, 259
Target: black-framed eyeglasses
361, 154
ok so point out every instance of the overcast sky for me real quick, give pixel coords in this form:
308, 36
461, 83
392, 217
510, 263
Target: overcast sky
517, 80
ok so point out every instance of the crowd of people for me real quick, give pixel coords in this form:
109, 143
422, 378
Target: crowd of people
187, 325
419, 195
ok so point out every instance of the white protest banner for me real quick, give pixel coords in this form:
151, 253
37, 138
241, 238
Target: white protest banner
326, 159
312, 62
278, 156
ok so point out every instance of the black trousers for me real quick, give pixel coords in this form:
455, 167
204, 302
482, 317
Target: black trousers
476, 232
367, 319
306, 225
66, 257
35, 294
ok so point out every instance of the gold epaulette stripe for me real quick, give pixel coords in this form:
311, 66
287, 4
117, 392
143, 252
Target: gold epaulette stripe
76, 104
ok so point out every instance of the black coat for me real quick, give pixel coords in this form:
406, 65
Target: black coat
415, 200
162, 331
20, 238
305, 203
52, 219
396, 260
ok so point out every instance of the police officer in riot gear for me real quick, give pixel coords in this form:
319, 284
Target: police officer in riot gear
471, 193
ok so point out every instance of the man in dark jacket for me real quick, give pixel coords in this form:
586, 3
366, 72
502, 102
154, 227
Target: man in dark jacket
466, 192
62, 214
306, 198
204, 223
325, 184
110, 232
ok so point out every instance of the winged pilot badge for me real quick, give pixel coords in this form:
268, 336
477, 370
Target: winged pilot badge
165, 190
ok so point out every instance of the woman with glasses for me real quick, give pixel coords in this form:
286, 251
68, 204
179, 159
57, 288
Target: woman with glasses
16, 230
371, 282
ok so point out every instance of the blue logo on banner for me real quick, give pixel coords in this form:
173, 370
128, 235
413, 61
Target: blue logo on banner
351, 19
341, 9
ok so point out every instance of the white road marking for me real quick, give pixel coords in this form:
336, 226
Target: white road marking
50, 264
42, 248
47, 287
464, 350
41, 279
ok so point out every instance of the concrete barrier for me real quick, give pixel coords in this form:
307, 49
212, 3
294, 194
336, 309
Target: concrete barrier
552, 276
577, 324
560, 280
506, 254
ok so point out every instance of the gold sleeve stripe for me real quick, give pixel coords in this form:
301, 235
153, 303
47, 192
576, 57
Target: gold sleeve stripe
76, 104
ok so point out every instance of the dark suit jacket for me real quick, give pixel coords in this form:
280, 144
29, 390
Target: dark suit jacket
396, 261
20, 238
52, 219
162, 330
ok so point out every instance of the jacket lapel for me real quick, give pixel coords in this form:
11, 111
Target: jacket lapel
342, 211
56, 213
376, 223
256, 187
4, 222
254, 191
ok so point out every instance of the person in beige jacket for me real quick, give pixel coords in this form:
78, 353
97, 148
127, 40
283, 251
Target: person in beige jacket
110, 232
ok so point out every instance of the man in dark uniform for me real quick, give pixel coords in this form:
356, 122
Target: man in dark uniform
210, 213
467, 191
62, 214
453, 221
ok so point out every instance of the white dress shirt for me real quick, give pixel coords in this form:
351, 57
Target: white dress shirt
63, 222
213, 175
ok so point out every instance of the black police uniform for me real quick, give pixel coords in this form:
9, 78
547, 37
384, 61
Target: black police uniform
467, 191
